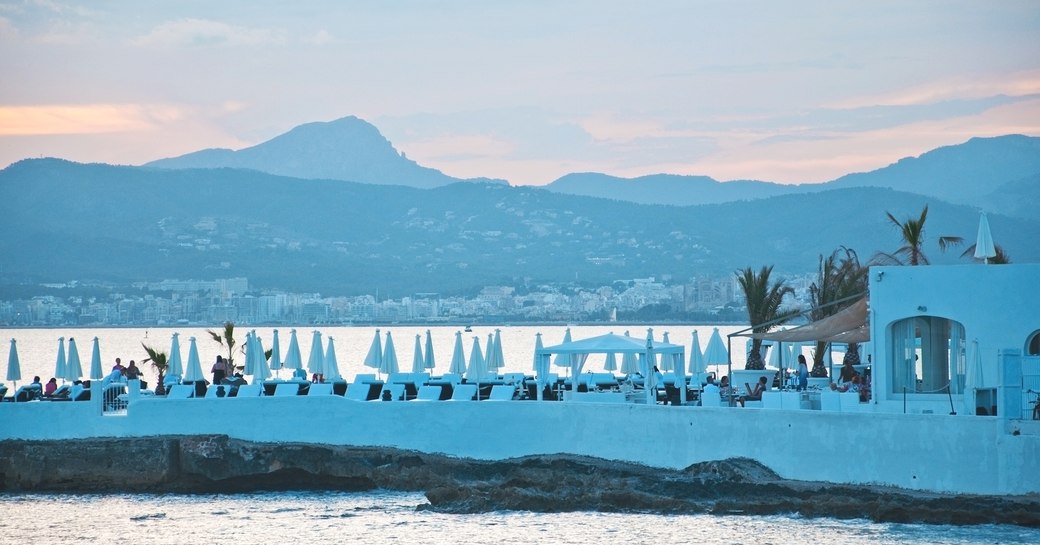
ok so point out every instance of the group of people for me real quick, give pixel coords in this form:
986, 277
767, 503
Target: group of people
850, 380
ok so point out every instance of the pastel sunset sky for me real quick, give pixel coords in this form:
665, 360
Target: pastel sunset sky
792, 92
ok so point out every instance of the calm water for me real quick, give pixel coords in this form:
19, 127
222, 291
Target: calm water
378, 518
38, 348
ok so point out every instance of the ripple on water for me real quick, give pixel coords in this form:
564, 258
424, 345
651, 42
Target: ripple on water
385, 517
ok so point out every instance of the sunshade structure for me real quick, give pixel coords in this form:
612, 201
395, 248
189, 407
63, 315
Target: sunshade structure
538, 347
275, 363
193, 373
374, 358
418, 365
610, 362
477, 370
848, 325
74, 371
697, 364
260, 370
293, 358
14, 367
174, 366
629, 361
429, 362
316, 361
667, 361
497, 361
330, 364
564, 361
458, 356
61, 364
579, 350
716, 353
389, 364
984, 248
96, 373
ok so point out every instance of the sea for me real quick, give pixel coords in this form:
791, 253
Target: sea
390, 517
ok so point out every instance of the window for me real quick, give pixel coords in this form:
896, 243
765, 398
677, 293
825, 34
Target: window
927, 355
1033, 344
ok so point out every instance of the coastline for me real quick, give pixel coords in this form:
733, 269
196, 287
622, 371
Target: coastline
542, 483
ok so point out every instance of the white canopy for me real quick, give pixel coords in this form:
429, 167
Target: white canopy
618, 344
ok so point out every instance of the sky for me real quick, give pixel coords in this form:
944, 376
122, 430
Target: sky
527, 91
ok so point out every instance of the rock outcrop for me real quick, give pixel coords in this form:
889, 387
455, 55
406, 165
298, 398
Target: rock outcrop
536, 483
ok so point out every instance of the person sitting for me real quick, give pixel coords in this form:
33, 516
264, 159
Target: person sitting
847, 372
51, 386
756, 393
119, 367
710, 387
853, 385
300, 374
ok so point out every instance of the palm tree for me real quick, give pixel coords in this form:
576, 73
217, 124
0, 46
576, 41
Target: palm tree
226, 339
763, 304
1001, 258
912, 251
840, 277
160, 364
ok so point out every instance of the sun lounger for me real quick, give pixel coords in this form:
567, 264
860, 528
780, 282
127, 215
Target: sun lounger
28, 392
250, 390
502, 392
428, 392
180, 391
358, 391
396, 392
464, 392
320, 389
287, 389
215, 389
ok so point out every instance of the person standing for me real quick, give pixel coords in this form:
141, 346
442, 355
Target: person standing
219, 370
803, 373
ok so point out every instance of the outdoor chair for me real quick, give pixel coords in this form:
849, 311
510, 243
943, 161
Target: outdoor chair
502, 392
711, 399
319, 389
464, 392
180, 391
358, 391
287, 389
249, 390
429, 393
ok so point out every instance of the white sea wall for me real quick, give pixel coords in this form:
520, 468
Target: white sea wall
941, 453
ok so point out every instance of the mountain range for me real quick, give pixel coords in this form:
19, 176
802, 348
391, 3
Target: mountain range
326, 225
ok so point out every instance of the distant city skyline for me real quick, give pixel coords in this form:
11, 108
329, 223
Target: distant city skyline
790, 92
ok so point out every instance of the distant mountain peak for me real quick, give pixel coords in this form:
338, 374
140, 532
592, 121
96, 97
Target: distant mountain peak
348, 148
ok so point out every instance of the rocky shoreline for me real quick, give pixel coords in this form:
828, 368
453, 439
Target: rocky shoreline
218, 464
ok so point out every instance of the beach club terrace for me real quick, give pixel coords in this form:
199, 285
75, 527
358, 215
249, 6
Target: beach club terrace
952, 354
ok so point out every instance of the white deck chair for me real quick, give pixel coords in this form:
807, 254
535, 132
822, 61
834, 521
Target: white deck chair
396, 391
428, 393
320, 389
250, 390
180, 391
286, 389
211, 393
357, 391
464, 392
502, 392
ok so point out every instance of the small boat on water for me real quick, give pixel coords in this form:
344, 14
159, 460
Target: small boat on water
954, 359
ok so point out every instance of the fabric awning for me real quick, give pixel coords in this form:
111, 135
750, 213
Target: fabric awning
846, 326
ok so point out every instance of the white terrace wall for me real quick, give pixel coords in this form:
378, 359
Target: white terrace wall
924, 452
